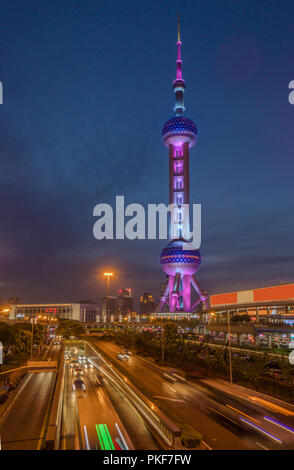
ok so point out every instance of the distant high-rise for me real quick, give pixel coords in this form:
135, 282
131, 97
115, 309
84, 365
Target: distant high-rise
108, 308
147, 304
124, 301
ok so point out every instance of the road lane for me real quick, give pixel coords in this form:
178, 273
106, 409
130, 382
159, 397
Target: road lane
22, 426
223, 419
92, 411
21, 429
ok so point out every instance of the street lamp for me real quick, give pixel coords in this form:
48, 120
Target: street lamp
108, 275
230, 349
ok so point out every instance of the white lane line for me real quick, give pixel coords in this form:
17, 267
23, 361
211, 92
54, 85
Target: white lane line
206, 445
171, 399
258, 443
204, 409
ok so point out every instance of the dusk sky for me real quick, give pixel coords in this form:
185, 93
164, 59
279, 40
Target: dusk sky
87, 88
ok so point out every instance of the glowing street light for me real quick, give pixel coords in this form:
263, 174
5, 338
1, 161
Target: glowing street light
108, 275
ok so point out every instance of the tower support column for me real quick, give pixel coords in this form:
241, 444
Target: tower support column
187, 292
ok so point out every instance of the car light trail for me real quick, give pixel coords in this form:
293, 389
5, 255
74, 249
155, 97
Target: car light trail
122, 438
226, 417
132, 396
261, 430
272, 406
281, 425
241, 413
99, 437
109, 437
86, 437
104, 437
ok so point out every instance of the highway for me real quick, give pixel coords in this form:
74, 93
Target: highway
227, 420
98, 417
22, 426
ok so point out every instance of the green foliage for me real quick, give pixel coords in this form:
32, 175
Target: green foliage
67, 328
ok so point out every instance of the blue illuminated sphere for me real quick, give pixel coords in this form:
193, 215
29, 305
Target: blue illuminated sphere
174, 258
178, 130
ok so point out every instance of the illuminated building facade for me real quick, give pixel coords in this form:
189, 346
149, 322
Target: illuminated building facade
80, 311
275, 303
268, 311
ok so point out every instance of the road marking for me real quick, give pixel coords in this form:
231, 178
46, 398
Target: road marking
168, 398
265, 448
204, 409
206, 445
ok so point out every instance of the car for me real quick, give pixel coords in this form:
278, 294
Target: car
177, 376
99, 379
79, 384
122, 357
272, 373
74, 363
78, 371
168, 377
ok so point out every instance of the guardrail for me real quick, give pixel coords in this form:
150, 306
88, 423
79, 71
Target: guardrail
36, 366
52, 435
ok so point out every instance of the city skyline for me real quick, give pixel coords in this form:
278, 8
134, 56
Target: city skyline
67, 146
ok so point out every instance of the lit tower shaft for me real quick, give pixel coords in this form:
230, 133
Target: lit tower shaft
179, 161
178, 260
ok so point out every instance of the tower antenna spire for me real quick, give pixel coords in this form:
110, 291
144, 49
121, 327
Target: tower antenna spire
179, 82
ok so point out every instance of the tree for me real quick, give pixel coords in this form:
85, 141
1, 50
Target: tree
69, 328
7, 338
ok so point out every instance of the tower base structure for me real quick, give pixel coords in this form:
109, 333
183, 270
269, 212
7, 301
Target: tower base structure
180, 264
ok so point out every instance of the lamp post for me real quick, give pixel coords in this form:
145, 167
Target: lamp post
230, 350
32, 338
108, 275
162, 343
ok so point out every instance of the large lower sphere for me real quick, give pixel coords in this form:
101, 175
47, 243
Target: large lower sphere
177, 257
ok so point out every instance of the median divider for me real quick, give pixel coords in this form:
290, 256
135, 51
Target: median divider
52, 434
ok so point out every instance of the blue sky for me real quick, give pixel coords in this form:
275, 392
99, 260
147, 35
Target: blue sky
87, 89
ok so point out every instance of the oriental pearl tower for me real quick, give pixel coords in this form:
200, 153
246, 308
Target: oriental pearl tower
178, 259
